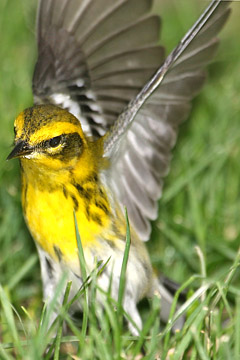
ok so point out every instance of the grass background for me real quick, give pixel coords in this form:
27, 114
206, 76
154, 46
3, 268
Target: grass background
200, 205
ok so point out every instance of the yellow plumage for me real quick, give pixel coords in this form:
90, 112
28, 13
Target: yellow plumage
48, 206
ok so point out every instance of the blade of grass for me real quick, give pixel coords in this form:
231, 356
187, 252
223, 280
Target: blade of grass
59, 331
167, 332
113, 317
179, 244
4, 355
45, 328
183, 180
84, 277
228, 279
202, 354
102, 350
155, 313
186, 339
122, 282
237, 330
8, 312
223, 293
154, 342
197, 217
19, 275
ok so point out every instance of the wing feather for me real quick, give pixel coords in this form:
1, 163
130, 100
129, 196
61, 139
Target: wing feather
145, 144
89, 50
94, 57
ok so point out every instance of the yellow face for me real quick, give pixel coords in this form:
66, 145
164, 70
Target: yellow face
45, 133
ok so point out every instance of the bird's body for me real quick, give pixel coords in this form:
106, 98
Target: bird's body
113, 152
54, 184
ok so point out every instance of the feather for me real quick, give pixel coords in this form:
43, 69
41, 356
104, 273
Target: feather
96, 58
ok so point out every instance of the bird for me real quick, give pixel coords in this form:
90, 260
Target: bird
107, 107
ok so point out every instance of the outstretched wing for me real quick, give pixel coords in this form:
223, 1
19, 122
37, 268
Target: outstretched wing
144, 145
94, 56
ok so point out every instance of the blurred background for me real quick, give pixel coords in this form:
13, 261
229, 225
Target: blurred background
201, 201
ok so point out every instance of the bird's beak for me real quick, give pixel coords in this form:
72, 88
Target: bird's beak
21, 148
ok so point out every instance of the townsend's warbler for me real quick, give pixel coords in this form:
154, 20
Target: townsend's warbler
94, 142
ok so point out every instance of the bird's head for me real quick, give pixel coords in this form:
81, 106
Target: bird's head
50, 138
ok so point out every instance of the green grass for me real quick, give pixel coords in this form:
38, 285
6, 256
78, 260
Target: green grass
200, 208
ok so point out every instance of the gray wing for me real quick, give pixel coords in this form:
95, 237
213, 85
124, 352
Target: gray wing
144, 145
95, 56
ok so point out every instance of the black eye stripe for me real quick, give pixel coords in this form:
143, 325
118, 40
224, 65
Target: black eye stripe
54, 142
71, 146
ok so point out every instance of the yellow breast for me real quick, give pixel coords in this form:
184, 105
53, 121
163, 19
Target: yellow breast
61, 171
49, 214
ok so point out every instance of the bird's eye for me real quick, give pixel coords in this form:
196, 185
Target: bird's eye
54, 142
